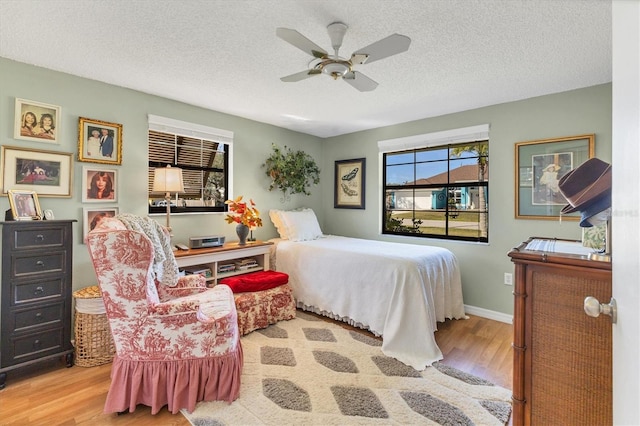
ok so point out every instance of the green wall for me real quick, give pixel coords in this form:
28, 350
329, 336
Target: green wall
79, 97
483, 265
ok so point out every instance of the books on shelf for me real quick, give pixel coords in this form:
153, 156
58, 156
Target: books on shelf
203, 270
246, 263
226, 267
237, 265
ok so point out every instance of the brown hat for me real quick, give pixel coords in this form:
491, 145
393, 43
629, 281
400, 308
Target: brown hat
586, 184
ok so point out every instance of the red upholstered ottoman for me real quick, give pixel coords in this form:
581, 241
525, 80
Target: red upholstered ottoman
262, 298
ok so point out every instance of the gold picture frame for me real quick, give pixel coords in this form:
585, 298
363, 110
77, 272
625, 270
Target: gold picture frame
24, 205
99, 141
539, 165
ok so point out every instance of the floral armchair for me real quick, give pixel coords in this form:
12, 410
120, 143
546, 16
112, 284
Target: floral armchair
175, 346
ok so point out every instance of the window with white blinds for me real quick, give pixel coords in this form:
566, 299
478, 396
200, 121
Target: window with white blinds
203, 154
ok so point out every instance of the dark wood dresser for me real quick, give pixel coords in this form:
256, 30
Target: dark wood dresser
562, 358
36, 293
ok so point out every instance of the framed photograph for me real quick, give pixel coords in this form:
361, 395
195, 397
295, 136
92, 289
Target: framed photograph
539, 167
35, 121
24, 205
91, 217
349, 184
99, 185
48, 173
99, 141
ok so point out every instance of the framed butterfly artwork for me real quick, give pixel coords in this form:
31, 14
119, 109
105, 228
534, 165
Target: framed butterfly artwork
349, 189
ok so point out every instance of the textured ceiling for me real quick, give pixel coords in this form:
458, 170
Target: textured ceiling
225, 56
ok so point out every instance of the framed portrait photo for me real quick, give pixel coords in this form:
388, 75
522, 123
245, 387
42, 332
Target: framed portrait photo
99, 185
38, 122
48, 173
99, 141
24, 205
92, 216
349, 184
539, 167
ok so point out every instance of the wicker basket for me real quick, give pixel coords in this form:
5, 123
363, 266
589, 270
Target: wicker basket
94, 343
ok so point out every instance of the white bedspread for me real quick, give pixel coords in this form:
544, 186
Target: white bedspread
396, 290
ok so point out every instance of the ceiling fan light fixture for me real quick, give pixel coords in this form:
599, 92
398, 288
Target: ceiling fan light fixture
336, 69
336, 66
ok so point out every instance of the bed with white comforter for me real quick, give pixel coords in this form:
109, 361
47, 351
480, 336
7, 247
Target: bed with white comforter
398, 291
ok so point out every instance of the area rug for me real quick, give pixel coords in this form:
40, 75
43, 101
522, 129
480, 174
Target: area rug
307, 371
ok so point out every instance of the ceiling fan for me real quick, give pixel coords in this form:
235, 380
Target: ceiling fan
336, 66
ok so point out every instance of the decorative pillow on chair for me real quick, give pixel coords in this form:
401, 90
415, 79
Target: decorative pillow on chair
297, 225
255, 281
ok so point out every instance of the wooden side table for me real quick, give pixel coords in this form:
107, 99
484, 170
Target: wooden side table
215, 257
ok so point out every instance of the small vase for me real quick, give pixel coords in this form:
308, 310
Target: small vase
242, 231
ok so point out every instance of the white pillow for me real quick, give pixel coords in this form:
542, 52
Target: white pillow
274, 215
301, 225
298, 225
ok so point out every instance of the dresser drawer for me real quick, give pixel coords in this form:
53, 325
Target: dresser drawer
35, 293
24, 348
38, 316
26, 264
43, 237
38, 290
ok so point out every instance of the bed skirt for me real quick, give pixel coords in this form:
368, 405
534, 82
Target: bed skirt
336, 317
176, 384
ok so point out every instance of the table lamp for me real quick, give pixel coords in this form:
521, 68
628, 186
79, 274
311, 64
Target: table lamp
168, 180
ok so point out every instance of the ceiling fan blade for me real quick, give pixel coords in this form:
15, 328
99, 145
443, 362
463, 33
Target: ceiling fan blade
360, 81
300, 75
389, 46
301, 42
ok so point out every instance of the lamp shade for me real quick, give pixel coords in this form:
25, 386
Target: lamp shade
168, 179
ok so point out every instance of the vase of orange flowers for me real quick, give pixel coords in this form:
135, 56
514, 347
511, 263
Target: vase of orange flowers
242, 231
246, 216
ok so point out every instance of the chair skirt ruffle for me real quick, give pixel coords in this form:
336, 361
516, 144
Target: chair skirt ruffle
177, 384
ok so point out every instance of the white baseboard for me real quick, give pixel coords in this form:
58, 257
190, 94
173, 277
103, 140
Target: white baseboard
485, 313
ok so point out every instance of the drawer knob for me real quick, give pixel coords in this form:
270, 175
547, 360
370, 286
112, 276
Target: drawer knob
39, 316
36, 343
38, 290
40, 263
594, 308
39, 238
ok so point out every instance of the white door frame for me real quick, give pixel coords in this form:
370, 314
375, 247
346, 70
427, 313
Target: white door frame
625, 220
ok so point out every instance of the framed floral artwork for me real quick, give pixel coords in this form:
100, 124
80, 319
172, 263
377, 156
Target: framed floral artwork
48, 173
36, 121
99, 141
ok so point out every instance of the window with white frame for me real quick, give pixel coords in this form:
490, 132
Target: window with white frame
437, 185
205, 156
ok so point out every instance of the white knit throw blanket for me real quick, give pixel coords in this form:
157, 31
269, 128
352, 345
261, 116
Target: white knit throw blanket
165, 267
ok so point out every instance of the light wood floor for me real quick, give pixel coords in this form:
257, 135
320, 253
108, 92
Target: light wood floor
57, 395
